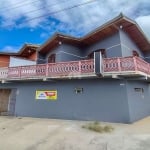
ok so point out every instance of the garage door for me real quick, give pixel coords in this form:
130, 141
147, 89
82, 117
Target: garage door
4, 100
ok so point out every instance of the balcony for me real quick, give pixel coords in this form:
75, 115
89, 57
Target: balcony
123, 66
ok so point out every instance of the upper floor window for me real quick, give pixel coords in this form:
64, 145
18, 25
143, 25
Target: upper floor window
91, 55
135, 53
103, 52
51, 58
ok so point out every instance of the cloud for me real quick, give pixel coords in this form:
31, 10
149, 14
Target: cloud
144, 22
44, 35
76, 21
16, 11
87, 17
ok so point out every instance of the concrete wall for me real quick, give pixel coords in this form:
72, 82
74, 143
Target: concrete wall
41, 59
116, 45
66, 52
111, 44
104, 100
139, 102
147, 56
16, 61
127, 45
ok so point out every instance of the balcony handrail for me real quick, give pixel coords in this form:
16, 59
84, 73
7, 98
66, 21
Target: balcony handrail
3, 72
120, 57
52, 69
73, 68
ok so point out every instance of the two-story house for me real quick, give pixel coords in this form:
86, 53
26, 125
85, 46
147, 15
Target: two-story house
101, 76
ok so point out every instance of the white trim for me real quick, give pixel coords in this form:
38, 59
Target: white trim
70, 54
113, 46
101, 64
9, 101
94, 63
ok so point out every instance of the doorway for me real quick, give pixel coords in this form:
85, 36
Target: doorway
7, 101
4, 101
51, 58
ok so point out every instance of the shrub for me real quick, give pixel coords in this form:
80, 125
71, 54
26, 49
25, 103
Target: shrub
97, 127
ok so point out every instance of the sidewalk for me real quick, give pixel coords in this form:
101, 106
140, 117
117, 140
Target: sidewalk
49, 134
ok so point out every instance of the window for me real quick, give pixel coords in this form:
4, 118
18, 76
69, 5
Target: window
139, 90
51, 58
135, 53
91, 55
103, 52
78, 90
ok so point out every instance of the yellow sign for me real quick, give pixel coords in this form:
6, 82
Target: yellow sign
48, 95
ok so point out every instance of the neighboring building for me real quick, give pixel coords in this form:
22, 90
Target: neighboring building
28, 55
102, 76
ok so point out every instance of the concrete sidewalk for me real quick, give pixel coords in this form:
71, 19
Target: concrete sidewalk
48, 134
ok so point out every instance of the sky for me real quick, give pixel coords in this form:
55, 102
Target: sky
34, 21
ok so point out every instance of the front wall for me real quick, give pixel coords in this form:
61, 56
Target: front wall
147, 56
116, 45
66, 52
139, 102
128, 45
111, 44
104, 100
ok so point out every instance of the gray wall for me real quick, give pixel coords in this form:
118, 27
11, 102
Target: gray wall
116, 45
147, 56
66, 52
139, 102
104, 100
127, 45
41, 59
111, 44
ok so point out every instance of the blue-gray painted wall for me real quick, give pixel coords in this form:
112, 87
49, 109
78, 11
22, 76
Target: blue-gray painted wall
147, 56
128, 45
102, 99
41, 59
66, 52
111, 44
116, 45
139, 101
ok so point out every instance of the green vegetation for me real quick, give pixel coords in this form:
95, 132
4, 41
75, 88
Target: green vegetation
97, 127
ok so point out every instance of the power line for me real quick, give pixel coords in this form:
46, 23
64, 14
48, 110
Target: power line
41, 8
17, 6
55, 12
61, 10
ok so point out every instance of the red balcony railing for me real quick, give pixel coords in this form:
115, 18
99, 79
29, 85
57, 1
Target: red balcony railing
120, 64
126, 64
61, 69
3, 73
74, 68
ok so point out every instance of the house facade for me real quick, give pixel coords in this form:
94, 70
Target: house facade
102, 76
